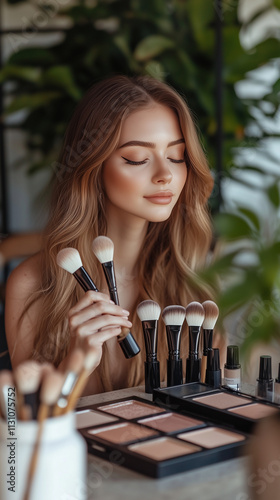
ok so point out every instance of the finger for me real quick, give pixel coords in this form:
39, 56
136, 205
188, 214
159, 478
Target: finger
94, 311
90, 297
101, 322
101, 337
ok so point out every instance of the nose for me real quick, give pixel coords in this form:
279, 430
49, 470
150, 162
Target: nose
162, 174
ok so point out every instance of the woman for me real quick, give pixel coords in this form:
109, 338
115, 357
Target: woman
131, 168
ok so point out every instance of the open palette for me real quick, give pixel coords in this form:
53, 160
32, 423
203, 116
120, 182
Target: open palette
154, 441
218, 405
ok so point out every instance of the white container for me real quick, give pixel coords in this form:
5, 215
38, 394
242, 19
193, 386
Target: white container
61, 466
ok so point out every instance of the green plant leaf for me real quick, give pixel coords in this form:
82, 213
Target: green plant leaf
236, 296
155, 69
33, 56
35, 100
220, 266
19, 73
252, 216
61, 77
273, 195
232, 226
152, 46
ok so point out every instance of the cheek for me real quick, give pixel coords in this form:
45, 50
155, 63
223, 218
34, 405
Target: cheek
182, 178
117, 182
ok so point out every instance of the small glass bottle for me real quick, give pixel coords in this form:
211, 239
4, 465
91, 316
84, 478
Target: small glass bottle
232, 368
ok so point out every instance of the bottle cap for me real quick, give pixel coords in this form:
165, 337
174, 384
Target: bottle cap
265, 369
232, 357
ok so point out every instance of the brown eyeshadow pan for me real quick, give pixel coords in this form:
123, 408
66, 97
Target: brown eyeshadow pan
164, 448
88, 418
211, 437
222, 401
131, 409
123, 433
255, 411
171, 422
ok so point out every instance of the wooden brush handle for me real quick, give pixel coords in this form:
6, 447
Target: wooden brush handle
203, 368
42, 415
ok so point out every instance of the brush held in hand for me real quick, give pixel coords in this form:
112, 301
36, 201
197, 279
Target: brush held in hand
103, 248
70, 260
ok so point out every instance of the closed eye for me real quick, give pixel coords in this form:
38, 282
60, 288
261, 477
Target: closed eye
176, 161
130, 162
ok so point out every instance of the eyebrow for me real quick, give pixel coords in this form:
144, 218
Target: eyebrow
150, 144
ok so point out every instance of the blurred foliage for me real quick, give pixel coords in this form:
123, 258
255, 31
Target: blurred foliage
171, 40
249, 266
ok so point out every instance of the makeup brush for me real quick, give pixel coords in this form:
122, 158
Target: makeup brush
194, 317
91, 360
73, 369
6, 383
173, 317
211, 311
50, 390
27, 378
70, 260
103, 249
148, 312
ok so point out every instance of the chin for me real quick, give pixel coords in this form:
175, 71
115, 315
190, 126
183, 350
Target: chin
159, 218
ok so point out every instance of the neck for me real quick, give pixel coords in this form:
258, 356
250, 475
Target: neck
128, 236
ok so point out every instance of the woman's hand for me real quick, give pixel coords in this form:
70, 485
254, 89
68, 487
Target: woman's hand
95, 319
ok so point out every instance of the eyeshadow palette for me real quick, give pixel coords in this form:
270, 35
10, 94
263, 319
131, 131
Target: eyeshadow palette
151, 440
218, 405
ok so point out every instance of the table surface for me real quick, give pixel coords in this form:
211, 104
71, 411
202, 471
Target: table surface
106, 481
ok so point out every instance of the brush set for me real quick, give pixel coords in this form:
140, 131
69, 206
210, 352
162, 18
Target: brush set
196, 315
42, 393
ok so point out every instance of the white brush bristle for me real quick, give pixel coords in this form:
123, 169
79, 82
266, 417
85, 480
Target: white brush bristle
148, 310
69, 259
173, 315
6, 379
211, 314
103, 249
28, 377
194, 314
51, 388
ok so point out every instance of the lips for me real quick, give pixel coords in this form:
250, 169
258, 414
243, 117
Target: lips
160, 198
160, 194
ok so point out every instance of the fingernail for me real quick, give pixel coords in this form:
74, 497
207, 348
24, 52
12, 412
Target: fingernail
125, 312
112, 302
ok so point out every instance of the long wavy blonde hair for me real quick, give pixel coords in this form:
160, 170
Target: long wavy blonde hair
173, 250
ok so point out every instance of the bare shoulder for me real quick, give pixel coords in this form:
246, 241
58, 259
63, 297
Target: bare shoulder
25, 278
20, 324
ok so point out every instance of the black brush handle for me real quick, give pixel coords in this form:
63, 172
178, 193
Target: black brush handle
108, 268
126, 340
173, 333
84, 280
